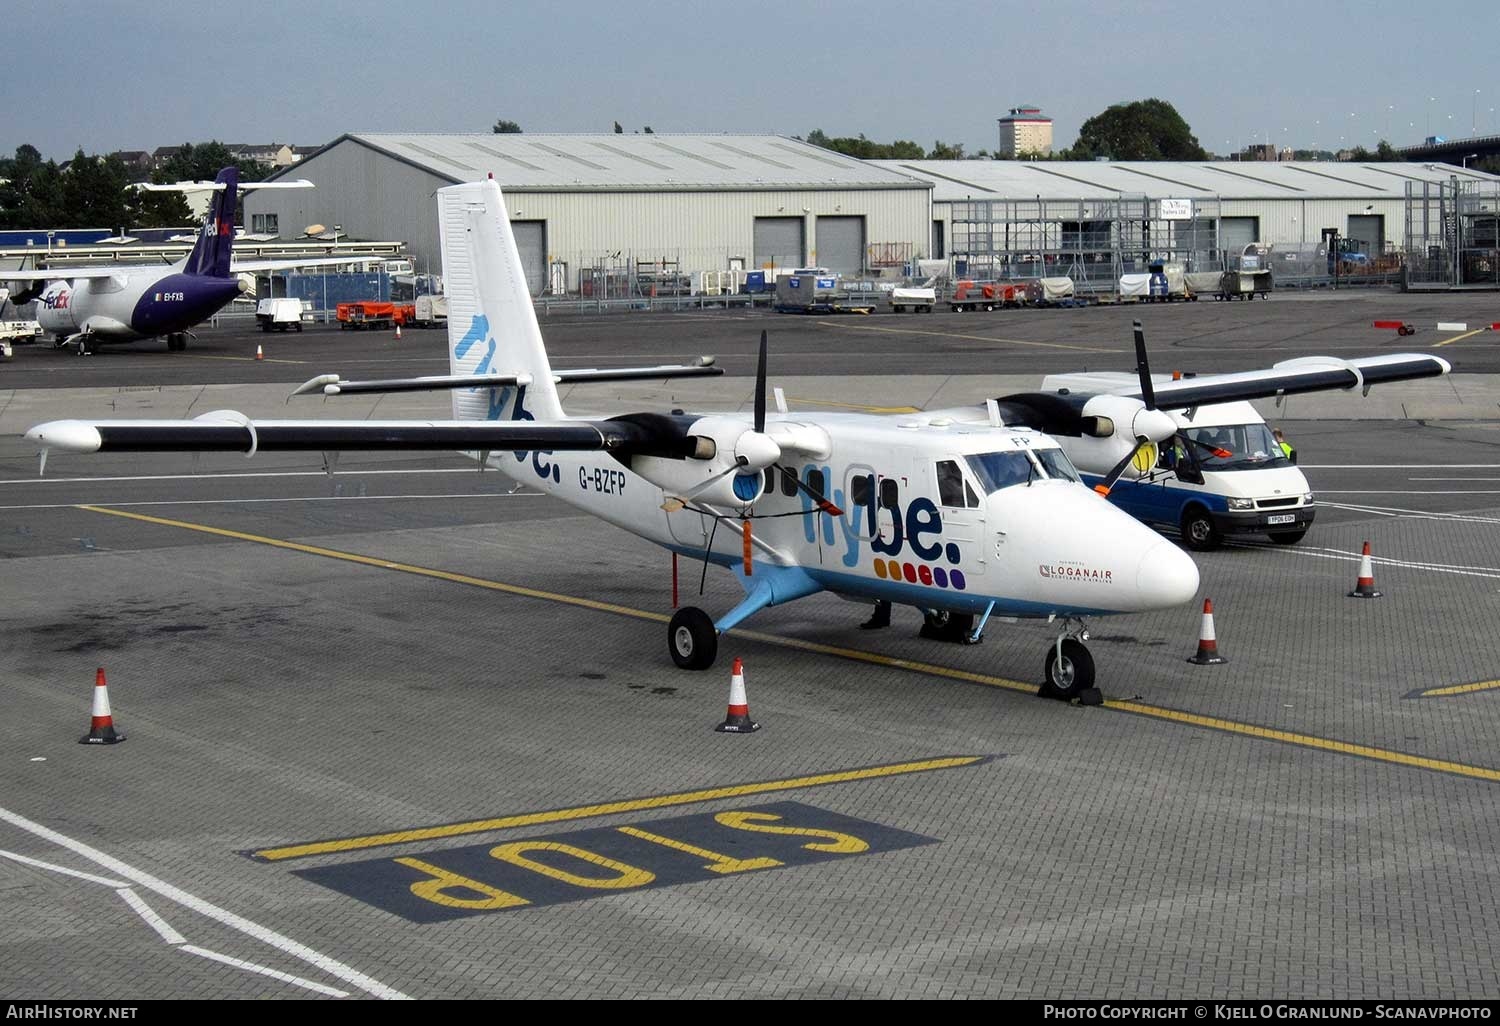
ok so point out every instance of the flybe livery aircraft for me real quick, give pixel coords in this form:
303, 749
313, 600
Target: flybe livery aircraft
85, 307
965, 515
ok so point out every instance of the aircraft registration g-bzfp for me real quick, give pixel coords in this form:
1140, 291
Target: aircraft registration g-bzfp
85, 307
954, 512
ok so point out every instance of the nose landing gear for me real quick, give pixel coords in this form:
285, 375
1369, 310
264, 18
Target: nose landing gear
1069, 670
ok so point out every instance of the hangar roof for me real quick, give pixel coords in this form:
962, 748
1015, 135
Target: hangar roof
957, 180
657, 161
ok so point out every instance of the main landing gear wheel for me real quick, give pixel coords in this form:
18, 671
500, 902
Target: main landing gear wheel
1199, 532
1069, 676
82, 347
692, 639
176, 342
942, 625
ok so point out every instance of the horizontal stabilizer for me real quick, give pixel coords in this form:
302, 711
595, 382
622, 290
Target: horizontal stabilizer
332, 384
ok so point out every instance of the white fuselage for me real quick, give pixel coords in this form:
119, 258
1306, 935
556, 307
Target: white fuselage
1035, 548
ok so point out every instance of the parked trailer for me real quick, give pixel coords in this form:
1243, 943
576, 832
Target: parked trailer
430, 311
817, 293
1245, 284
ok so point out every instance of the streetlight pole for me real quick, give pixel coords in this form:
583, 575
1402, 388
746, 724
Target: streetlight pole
1467, 158
1473, 112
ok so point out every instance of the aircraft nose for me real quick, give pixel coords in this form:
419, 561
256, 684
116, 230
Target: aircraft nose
1166, 576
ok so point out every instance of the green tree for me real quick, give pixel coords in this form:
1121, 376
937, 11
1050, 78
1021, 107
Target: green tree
647, 130
1141, 130
618, 129
1385, 153
93, 192
31, 194
203, 162
503, 127
943, 151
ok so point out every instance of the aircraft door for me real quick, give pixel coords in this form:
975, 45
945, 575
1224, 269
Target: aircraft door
961, 507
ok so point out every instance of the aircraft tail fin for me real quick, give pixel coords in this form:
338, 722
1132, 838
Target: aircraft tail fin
211, 254
492, 326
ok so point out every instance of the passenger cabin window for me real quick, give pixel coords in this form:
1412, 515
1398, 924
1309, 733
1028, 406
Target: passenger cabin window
890, 493
815, 481
997, 470
859, 489
788, 481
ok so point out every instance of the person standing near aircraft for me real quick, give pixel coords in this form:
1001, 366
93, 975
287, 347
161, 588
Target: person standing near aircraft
1286, 447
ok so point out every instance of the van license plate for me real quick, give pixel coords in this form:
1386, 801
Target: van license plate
1282, 518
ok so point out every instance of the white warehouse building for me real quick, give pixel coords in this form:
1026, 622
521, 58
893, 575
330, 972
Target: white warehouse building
993, 209
582, 203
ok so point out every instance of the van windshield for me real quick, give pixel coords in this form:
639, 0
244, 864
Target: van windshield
1250, 447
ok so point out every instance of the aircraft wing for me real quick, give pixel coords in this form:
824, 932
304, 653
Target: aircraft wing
72, 273
229, 431
332, 384
1290, 377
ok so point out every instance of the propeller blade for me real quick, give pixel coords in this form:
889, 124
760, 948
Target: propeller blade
749, 545
1103, 487
760, 387
1143, 368
818, 498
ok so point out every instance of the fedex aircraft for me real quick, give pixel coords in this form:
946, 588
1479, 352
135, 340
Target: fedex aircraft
957, 513
85, 307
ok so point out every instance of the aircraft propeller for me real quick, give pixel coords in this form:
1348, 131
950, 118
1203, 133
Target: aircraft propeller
1148, 397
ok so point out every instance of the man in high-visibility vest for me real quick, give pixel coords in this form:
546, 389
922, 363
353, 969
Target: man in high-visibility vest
1286, 447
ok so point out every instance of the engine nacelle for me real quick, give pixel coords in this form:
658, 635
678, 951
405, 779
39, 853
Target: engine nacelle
725, 469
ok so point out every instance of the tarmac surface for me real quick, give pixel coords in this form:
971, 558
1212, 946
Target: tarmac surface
406, 731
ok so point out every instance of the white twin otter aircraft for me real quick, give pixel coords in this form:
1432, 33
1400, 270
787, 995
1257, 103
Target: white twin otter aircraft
964, 514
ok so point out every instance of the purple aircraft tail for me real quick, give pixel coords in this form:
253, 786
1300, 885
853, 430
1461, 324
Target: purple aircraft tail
210, 257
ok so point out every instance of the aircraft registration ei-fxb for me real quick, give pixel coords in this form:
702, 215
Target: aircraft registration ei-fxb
964, 514
85, 307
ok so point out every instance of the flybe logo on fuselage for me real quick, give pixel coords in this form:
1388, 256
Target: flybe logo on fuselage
917, 528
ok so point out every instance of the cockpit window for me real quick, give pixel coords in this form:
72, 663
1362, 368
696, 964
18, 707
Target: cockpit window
950, 481
1250, 447
1057, 463
997, 470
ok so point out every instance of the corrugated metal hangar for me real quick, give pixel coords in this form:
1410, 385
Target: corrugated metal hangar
1003, 211
592, 209
581, 203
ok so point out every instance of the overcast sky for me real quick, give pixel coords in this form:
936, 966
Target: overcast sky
107, 75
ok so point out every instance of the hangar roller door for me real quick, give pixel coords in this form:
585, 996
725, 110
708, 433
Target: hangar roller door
531, 240
1235, 233
778, 242
1369, 231
841, 244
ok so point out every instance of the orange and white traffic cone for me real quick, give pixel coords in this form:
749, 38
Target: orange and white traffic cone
1365, 586
102, 724
259, 354
1208, 645
398, 331
738, 721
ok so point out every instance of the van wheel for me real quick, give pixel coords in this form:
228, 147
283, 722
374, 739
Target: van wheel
1289, 537
1198, 530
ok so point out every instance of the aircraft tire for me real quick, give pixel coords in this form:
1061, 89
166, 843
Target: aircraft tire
1067, 679
942, 625
692, 639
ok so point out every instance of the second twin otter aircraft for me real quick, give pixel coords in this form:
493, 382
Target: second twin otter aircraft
964, 514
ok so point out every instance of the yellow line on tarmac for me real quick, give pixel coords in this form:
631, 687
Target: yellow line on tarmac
1458, 689
974, 338
854, 406
660, 801
385, 564
799, 644
1460, 338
